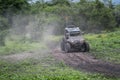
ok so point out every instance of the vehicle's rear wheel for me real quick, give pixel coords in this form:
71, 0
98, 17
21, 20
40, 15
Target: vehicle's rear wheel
67, 48
85, 47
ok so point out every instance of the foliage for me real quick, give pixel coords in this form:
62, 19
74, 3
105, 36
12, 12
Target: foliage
3, 30
8, 8
88, 15
96, 15
117, 14
12, 6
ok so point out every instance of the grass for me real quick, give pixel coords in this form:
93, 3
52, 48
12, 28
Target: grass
35, 70
105, 46
13, 47
18, 45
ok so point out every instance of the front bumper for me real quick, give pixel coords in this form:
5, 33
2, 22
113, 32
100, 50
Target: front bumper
77, 45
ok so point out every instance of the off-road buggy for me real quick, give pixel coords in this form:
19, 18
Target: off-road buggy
73, 40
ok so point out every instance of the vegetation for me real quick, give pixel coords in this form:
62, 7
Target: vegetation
7, 10
105, 46
45, 69
90, 16
13, 47
26, 26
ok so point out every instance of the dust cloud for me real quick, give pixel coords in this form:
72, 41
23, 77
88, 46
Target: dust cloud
35, 28
32, 29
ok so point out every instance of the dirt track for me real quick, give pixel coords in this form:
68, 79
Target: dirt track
77, 60
86, 62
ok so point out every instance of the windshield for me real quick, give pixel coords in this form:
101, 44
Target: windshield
70, 26
74, 33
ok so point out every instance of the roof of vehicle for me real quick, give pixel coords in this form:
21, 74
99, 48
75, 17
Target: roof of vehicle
72, 29
70, 26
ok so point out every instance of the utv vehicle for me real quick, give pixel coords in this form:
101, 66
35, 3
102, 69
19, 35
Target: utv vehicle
73, 40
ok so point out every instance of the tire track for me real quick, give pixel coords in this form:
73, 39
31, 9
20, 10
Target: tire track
86, 62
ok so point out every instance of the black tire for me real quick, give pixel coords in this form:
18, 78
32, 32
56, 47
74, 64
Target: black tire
67, 48
85, 47
62, 46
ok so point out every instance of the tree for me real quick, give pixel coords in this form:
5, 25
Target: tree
109, 3
3, 30
117, 15
7, 9
96, 16
60, 2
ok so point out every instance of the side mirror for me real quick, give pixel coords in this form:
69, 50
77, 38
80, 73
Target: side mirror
67, 35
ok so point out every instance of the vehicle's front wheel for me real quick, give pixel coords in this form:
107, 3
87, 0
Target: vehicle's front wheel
62, 45
85, 47
67, 48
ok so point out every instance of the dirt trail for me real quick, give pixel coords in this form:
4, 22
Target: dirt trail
25, 55
84, 61
17, 57
77, 60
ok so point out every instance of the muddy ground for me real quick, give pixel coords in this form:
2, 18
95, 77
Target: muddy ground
87, 62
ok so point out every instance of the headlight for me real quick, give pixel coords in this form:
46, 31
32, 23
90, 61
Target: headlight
82, 40
72, 41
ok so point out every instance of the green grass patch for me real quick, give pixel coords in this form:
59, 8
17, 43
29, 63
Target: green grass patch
13, 47
17, 45
34, 70
105, 46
